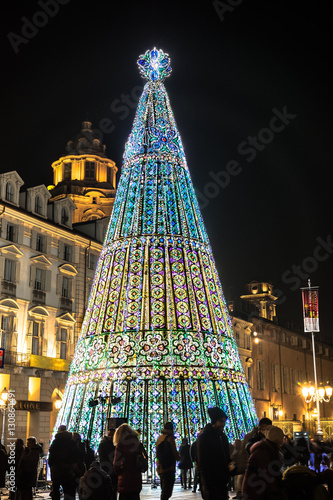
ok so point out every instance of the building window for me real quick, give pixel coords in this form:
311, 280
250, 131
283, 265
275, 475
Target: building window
247, 341
109, 176
5, 323
293, 377
237, 338
38, 205
260, 375
285, 380
89, 170
11, 232
67, 171
64, 216
66, 287
9, 192
249, 376
92, 261
39, 279
40, 243
10, 270
275, 377
63, 343
36, 337
260, 347
67, 253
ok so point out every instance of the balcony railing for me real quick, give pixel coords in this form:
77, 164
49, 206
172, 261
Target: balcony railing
33, 361
8, 288
38, 296
17, 358
66, 304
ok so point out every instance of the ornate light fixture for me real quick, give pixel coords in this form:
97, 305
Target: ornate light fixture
322, 394
3, 409
58, 403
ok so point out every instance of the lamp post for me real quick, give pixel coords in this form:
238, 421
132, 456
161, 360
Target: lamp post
311, 324
3, 408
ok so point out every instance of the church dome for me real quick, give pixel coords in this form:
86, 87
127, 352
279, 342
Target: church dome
86, 142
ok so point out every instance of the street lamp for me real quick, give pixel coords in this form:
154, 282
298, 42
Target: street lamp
3, 408
58, 403
321, 394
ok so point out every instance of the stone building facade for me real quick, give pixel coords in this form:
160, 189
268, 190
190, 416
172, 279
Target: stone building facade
278, 362
50, 241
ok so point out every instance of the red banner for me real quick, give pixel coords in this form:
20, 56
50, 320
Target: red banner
2, 357
310, 309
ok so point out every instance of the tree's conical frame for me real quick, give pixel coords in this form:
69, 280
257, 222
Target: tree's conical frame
156, 342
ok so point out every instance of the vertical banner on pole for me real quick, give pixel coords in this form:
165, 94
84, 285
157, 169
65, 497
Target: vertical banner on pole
310, 309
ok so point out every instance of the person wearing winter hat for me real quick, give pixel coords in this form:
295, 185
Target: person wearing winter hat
263, 478
213, 457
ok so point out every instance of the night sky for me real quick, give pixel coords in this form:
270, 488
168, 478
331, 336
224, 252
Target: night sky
252, 96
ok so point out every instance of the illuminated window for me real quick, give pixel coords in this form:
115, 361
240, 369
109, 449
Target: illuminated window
9, 192
89, 170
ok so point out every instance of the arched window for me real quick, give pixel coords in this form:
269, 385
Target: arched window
64, 216
9, 192
38, 205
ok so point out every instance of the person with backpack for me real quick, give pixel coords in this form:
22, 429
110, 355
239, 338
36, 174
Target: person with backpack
167, 456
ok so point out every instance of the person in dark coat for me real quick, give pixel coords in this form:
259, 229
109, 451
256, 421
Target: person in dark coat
63, 457
124, 463
213, 457
106, 451
27, 469
185, 464
196, 478
80, 466
259, 434
3, 467
263, 478
167, 473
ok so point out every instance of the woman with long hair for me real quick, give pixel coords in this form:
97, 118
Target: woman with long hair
127, 449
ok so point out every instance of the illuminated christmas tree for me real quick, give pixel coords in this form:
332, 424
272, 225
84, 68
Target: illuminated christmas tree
156, 342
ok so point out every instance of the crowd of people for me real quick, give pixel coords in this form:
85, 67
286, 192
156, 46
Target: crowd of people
265, 465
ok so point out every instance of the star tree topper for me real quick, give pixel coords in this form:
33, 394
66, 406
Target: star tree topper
154, 65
